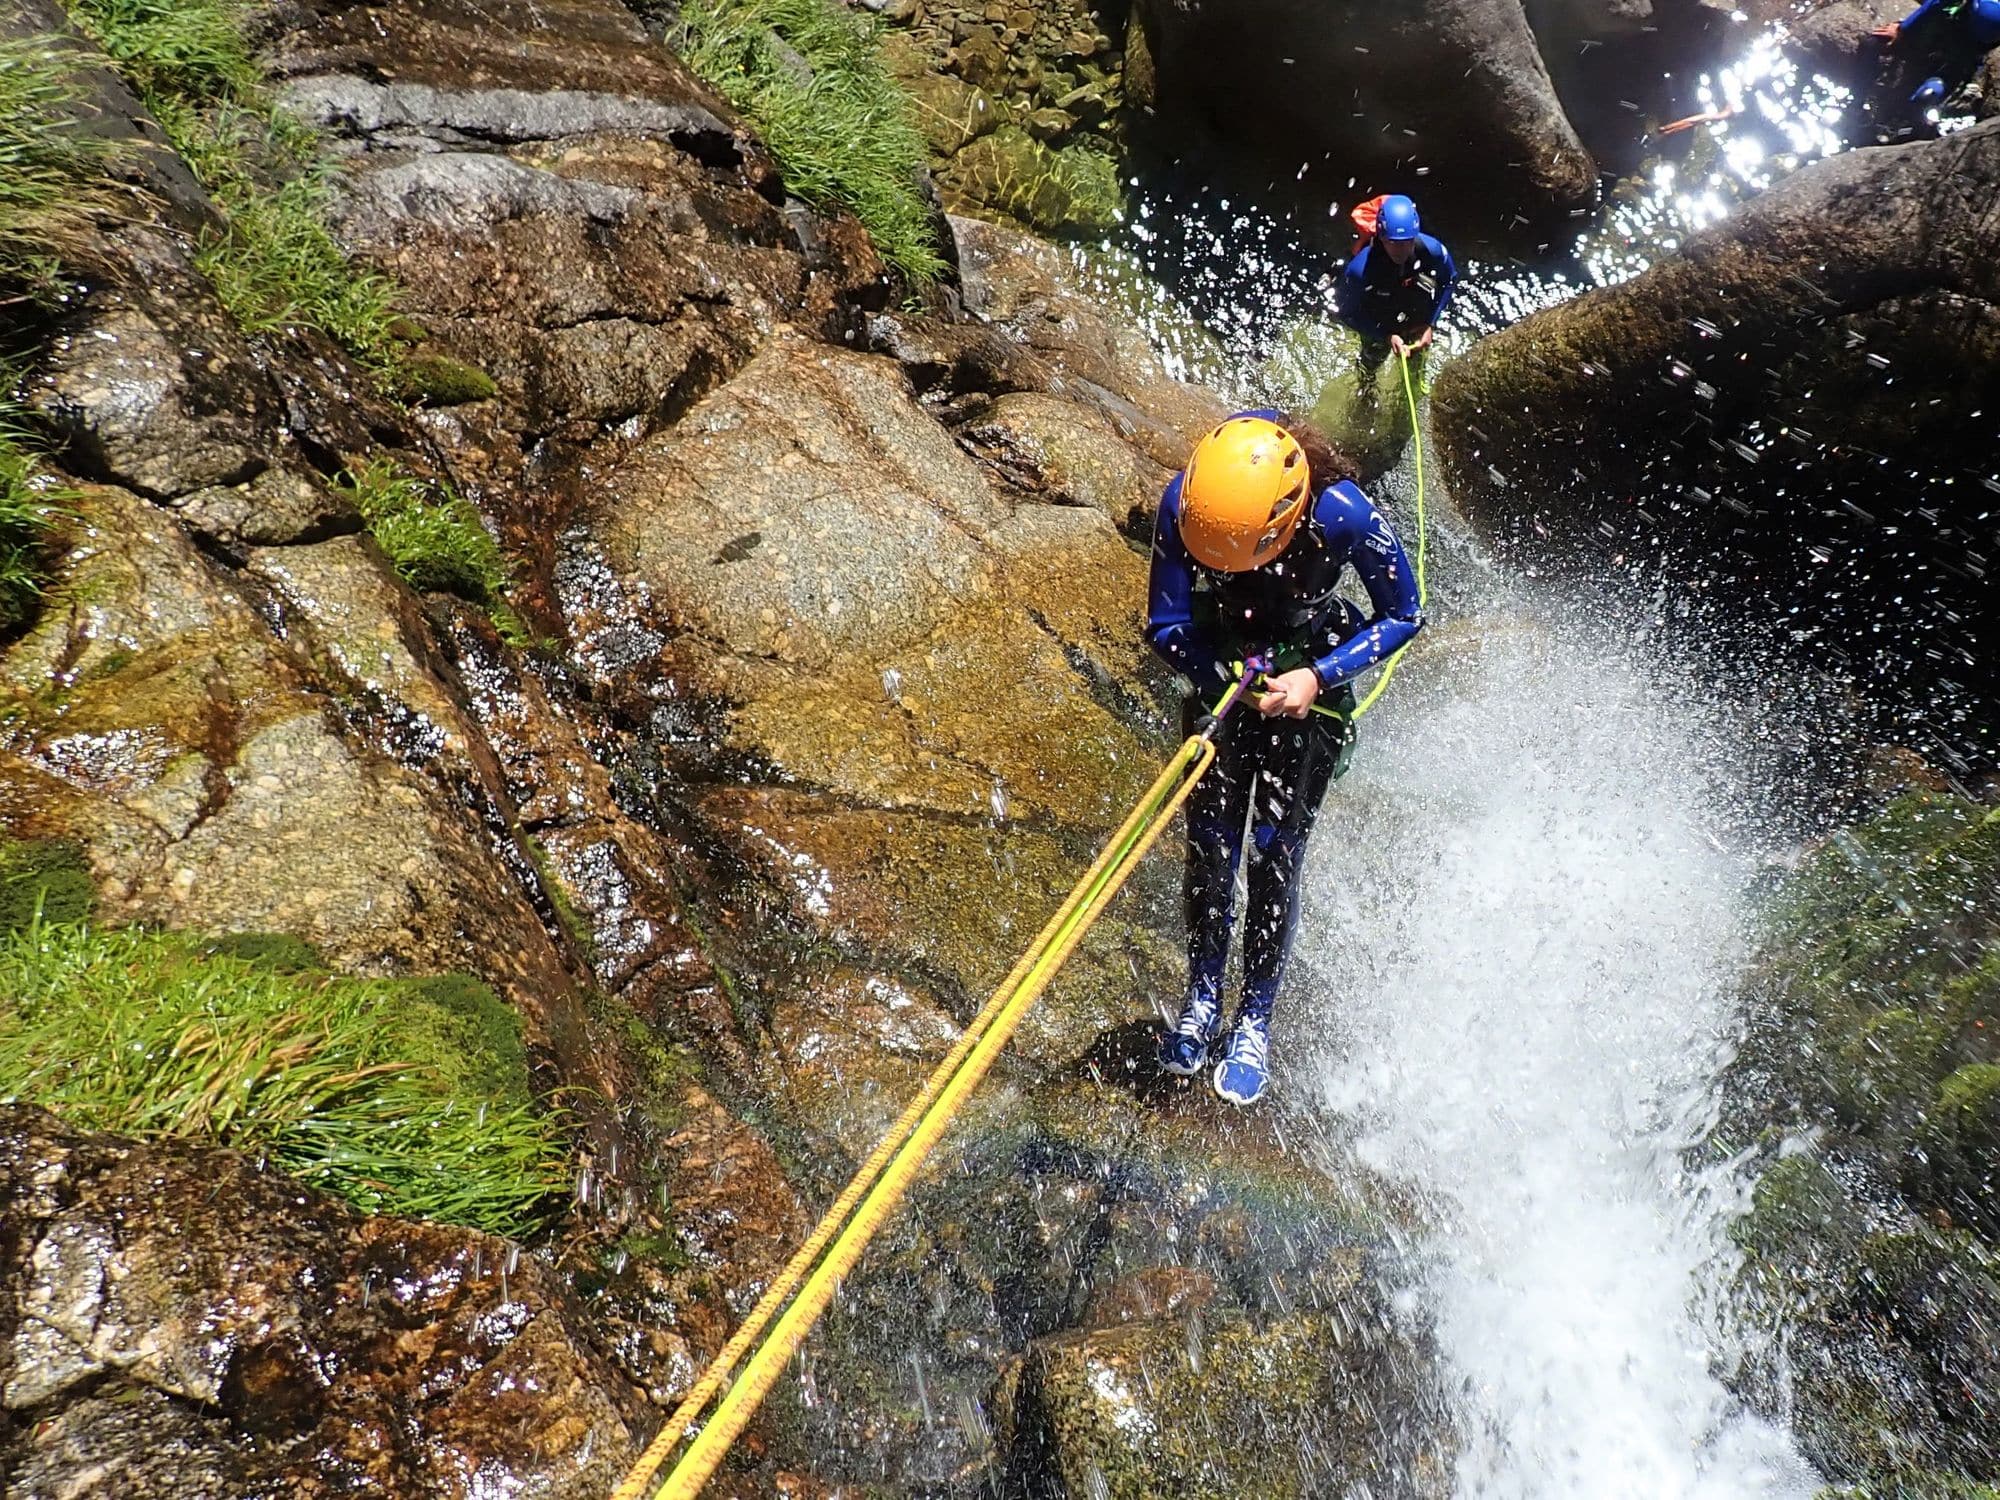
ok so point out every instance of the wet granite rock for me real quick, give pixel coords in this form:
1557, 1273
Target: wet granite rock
1068, 453
1027, 289
278, 507
150, 384
1219, 1406
177, 1320
1824, 346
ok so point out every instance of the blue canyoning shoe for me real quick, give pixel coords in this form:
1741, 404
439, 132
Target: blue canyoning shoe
1245, 1067
1184, 1050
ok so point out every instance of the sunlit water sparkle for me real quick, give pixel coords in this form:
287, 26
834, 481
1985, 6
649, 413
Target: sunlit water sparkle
1518, 954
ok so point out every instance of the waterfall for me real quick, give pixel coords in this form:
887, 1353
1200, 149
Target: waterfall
1525, 914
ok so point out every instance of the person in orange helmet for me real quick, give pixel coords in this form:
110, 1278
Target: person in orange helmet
1247, 563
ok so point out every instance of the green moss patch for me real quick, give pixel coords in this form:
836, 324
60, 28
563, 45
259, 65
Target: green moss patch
43, 880
405, 1097
431, 379
810, 76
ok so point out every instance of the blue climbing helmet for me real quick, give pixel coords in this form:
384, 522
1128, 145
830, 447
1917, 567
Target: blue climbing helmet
1397, 219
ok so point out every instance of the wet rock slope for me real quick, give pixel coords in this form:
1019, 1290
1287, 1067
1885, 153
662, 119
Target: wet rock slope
816, 680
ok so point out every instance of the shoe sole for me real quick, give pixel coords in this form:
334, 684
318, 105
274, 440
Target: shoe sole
1179, 1072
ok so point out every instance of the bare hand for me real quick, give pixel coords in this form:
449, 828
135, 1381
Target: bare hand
1290, 694
1397, 347
1423, 340
1888, 33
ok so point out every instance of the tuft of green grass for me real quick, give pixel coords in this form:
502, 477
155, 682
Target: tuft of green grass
810, 75
30, 508
51, 176
274, 265
405, 1097
435, 538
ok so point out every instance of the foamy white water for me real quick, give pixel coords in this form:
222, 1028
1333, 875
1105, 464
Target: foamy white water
1523, 926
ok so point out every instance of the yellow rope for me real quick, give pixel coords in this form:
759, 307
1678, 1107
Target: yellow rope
885, 1177
1423, 539
878, 1187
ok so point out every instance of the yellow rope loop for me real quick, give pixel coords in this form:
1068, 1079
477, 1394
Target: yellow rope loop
1423, 540
885, 1177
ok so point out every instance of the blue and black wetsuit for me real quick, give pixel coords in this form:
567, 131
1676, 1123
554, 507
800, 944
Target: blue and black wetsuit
1377, 298
1941, 39
1271, 773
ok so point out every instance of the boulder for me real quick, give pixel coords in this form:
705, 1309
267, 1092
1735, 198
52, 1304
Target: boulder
178, 1320
1348, 90
1809, 374
1225, 1406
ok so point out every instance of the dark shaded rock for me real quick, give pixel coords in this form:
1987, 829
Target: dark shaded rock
177, 1320
1255, 75
1621, 65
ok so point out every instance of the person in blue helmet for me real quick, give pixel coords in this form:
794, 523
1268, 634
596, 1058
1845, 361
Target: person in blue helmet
1247, 562
1395, 287
1934, 51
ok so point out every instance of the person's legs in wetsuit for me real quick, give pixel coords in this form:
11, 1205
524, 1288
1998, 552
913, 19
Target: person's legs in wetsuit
1216, 812
1272, 774
1297, 763
1368, 364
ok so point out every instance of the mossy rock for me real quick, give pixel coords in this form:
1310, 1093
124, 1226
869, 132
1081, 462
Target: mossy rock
1962, 1145
1073, 190
1227, 1409
45, 878
428, 378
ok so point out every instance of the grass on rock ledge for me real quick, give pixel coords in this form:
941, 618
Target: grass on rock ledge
274, 265
402, 1096
436, 540
809, 74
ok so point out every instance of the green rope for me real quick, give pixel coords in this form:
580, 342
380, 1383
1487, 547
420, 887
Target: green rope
1423, 539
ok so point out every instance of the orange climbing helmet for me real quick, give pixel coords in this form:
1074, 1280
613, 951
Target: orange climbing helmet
1242, 494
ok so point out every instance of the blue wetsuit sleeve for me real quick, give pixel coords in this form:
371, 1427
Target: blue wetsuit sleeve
1354, 525
1170, 623
1447, 280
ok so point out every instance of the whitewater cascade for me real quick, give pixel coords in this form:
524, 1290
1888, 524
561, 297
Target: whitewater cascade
1522, 931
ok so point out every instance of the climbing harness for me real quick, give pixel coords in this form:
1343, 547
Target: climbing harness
814, 1273
886, 1176
1423, 541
